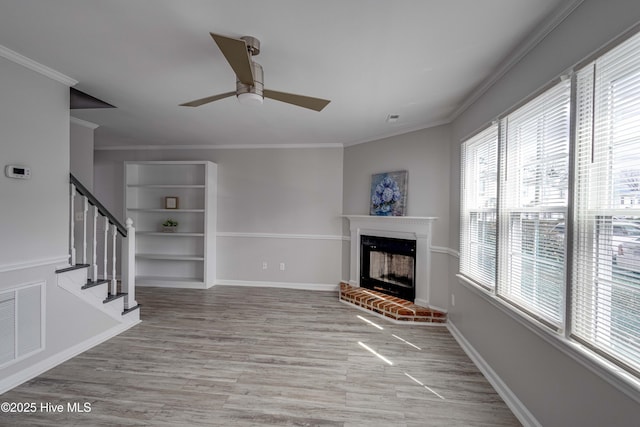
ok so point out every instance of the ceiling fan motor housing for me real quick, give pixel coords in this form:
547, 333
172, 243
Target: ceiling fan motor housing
253, 45
258, 82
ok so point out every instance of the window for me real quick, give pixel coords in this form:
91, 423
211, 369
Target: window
606, 268
534, 174
521, 178
479, 187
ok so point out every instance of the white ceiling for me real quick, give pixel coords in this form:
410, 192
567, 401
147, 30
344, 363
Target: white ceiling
420, 59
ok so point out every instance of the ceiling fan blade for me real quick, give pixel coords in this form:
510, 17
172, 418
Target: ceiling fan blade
208, 99
316, 104
235, 50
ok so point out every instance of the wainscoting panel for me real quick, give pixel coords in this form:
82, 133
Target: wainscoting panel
21, 322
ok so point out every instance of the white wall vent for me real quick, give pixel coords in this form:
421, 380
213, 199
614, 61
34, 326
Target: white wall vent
21, 322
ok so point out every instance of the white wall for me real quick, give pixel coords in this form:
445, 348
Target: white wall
34, 226
425, 155
269, 202
554, 387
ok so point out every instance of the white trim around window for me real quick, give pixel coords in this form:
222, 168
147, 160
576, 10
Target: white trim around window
567, 233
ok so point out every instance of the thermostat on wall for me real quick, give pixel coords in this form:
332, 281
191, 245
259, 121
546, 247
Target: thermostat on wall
19, 172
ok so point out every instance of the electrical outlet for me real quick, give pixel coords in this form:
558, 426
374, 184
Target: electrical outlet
79, 216
264, 265
282, 266
453, 300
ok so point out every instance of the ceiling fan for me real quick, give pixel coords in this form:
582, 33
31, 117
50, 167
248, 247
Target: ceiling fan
249, 77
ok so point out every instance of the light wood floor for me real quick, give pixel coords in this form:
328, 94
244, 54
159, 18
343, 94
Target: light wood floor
233, 356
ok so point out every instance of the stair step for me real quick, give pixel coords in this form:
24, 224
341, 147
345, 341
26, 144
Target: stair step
71, 268
110, 297
91, 284
129, 310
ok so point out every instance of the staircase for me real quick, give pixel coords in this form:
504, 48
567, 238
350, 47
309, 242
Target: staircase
96, 282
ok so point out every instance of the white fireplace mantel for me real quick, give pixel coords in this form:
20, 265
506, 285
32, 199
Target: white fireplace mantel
416, 228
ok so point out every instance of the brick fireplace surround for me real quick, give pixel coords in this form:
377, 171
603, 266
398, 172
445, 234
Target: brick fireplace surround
390, 307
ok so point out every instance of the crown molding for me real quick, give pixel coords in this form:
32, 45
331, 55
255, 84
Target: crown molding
403, 131
36, 66
83, 123
213, 147
550, 24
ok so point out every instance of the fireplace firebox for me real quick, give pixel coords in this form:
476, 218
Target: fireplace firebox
388, 265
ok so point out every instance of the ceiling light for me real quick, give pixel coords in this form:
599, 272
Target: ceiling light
392, 118
248, 98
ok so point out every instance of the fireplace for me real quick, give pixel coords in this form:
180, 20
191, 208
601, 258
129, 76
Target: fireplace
416, 229
388, 265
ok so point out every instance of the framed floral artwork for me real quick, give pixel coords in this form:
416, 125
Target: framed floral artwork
389, 193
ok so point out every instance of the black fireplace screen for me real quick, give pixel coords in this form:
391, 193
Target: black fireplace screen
388, 265
393, 268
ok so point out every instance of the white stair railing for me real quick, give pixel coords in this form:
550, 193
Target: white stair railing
101, 240
72, 228
105, 252
85, 210
114, 281
128, 266
94, 246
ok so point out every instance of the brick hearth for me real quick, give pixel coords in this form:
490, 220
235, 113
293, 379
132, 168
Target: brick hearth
388, 306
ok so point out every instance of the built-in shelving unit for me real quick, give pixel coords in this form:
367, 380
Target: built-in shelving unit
186, 257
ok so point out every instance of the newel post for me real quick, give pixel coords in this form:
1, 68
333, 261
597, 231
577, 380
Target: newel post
72, 225
129, 266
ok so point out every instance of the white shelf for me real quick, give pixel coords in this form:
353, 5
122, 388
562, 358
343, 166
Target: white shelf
172, 282
202, 186
166, 210
185, 259
170, 257
163, 234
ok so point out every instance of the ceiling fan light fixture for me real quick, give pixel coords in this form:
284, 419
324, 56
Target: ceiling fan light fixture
249, 77
249, 98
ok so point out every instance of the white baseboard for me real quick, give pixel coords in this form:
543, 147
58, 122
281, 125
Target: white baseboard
421, 302
517, 407
424, 303
181, 285
33, 371
286, 285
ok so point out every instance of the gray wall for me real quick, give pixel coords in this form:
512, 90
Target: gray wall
425, 155
81, 165
34, 125
81, 151
287, 194
34, 130
557, 390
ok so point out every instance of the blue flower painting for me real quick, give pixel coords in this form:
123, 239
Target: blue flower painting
389, 193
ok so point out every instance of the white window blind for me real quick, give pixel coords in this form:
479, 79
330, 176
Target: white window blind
478, 211
606, 268
534, 173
